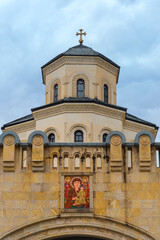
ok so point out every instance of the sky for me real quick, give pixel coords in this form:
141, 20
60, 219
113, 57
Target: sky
32, 32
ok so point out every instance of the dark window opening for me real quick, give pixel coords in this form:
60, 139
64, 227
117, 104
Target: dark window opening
56, 93
78, 136
105, 93
80, 88
51, 137
105, 137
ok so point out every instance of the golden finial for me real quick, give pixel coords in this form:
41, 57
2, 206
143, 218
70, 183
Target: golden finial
81, 40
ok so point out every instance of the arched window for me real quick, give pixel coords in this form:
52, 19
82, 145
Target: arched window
78, 136
51, 137
105, 93
105, 137
80, 88
56, 93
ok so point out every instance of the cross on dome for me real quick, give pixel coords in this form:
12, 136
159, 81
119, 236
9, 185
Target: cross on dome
81, 33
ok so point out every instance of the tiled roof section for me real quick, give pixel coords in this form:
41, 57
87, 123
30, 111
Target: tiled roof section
19, 120
81, 50
79, 100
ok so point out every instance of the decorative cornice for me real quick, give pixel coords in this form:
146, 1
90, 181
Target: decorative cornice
130, 125
22, 127
79, 60
78, 107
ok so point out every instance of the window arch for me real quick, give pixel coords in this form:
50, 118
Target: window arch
80, 88
104, 138
55, 93
78, 136
51, 137
105, 93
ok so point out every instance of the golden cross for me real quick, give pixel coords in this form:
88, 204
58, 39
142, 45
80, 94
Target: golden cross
81, 40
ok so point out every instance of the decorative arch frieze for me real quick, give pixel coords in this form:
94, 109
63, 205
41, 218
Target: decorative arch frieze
42, 134
13, 134
120, 134
74, 85
139, 134
54, 82
50, 130
82, 226
76, 127
103, 131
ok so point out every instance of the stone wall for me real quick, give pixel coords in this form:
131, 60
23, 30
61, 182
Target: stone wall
124, 179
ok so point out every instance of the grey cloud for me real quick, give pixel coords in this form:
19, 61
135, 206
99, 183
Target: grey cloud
33, 32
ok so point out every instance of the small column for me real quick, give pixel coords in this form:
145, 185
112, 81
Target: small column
144, 153
9, 154
37, 154
116, 154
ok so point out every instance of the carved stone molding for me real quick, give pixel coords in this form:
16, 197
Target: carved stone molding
116, 140
37, 140
144, 140
130, 125
22, 127
80, 107
79, 60
87, 225
9, 140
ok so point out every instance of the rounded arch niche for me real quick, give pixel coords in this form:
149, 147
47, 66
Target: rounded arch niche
80, 226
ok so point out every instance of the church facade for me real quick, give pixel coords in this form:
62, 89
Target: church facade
80, 166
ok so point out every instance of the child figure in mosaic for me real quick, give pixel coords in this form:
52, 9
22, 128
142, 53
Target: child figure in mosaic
81, 197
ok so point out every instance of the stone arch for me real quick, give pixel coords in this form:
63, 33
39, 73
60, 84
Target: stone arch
3, 135
74, 85
110, 90
102, 131
149, 134
52, 130
31, 136
122, 136
76, 127
54, 82
56, 227
54, 153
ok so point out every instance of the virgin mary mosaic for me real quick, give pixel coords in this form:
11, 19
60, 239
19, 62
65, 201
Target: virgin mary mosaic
76, 192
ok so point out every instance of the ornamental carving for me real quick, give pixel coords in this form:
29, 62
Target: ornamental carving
38, 140
9, 140
144, 140
115, 140
81, 60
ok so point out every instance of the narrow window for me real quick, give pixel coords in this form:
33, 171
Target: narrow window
105, 93
66, 161
80, 88
56, 93
55, 161
105, 137
78, 136
24, 163
88, 161
51, 137
129, 158
99, 161
77, 161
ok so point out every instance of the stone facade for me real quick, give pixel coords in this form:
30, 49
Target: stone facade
122, 174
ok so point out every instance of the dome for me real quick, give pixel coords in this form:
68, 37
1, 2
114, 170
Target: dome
81, 50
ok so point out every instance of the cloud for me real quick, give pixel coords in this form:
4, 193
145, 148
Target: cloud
33, 32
